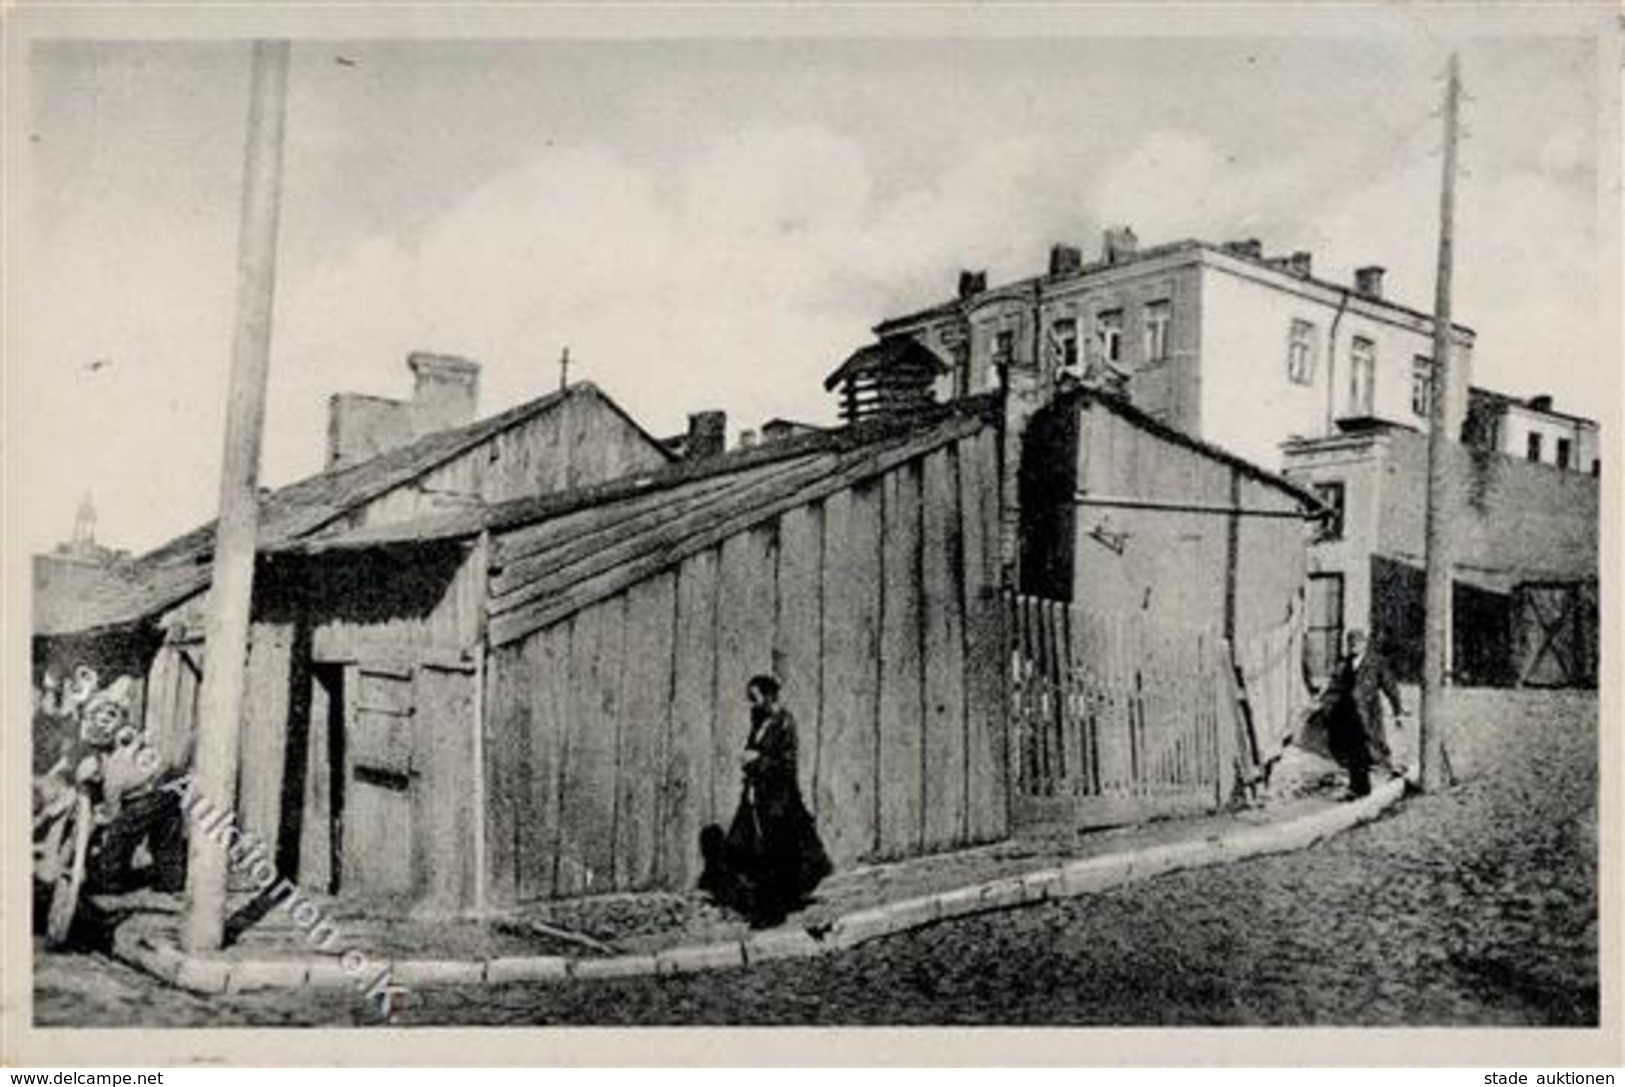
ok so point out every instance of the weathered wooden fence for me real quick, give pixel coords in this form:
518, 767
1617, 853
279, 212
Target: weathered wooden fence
1116, 719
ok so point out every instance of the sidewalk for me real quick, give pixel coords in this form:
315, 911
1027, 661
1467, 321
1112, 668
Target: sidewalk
661, 933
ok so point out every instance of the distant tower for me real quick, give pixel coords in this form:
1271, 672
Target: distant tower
84, 528
82, 546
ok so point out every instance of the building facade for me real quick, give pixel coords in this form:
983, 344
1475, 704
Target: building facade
1530, 429
1220, 341
1523, 540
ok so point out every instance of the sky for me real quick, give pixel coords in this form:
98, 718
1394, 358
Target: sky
719, 223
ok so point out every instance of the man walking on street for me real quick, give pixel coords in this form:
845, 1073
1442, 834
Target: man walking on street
1353, 700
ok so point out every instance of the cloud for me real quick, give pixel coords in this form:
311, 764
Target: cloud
738, 280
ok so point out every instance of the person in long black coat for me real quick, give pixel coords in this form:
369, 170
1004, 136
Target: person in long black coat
771, 858
1354, 712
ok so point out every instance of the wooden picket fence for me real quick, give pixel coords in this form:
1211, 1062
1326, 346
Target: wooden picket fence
1115, 719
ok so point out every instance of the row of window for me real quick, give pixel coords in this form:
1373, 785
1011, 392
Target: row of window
1300, 369
1536, 448
1064, 348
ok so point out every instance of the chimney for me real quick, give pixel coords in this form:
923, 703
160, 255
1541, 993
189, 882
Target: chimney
1064, 259
747, 439
1368, 281
1542, 402
360, 427
1251, 248
707, 435
1298, 264
1118, 244
972, 283
446, 394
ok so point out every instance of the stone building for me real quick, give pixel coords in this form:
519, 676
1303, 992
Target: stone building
1231, 346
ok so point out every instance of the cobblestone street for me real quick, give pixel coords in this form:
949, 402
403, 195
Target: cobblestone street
1475, 906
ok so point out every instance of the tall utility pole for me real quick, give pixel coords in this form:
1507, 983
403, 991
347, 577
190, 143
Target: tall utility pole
1432, 765
226, 631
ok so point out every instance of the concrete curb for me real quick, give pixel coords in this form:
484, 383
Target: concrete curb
1090, 875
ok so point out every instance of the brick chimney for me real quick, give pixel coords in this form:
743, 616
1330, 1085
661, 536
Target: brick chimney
1118, 244
1298, 264
707, 435
1251, 248
446, 394
1064, 259
1368, 281
360, 427
972, 283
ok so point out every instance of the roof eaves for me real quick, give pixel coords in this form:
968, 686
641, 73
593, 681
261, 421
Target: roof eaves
1127, 411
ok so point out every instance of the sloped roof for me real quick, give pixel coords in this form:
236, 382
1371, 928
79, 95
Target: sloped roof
555, 554
1122, 408
892, 353
178, 569
1148, 253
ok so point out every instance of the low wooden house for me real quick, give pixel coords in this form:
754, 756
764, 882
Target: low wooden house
505, 701
559, 705
144, 617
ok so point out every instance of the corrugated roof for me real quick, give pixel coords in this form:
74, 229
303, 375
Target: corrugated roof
179, 568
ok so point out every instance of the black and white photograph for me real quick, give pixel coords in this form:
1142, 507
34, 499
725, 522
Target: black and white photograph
854, 516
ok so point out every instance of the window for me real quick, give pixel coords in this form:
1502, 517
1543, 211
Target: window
1300, 353
1323, 635
960, 354
1421, 386
1004, 356
1362, 376
1533, 446
1565, 450
1109, 333
1064, 343
1331, 496
1158, 318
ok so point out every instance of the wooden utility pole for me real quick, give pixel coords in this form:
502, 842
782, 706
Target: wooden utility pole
564, 370
1432, 765
226, 632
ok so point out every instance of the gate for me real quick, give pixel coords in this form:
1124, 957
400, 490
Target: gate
1556, 633
1116, 719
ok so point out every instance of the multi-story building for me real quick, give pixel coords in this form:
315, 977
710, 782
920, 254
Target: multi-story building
1531, 430
1522, 552
1220, 341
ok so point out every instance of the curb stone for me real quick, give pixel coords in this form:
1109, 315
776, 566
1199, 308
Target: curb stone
266, 974
437, 972
526, 968
1072, 879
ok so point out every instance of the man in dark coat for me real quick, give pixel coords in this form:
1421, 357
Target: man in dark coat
1354, 712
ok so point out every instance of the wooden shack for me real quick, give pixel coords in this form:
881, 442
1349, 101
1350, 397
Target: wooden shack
1124, 514
598, 726
856, 566
480, 704
1155, 569
360, 639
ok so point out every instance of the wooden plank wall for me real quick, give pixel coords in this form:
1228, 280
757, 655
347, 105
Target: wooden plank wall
613, 736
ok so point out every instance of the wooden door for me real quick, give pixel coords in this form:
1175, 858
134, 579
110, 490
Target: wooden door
377, 833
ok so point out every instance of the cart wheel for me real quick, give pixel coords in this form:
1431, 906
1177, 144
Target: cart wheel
70, 875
